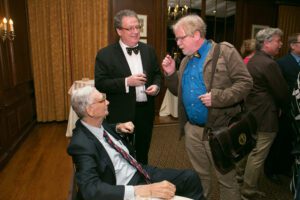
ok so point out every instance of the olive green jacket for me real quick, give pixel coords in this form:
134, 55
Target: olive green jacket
232, 83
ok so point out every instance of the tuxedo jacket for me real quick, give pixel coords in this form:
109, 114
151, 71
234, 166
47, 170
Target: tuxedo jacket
269, 91
290, 69
111, 69
95, 174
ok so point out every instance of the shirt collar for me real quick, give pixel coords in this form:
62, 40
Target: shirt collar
296, 57
203, 48
124, 46
97, 131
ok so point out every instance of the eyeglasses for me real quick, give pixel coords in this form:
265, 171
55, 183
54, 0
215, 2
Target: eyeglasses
103, 99
131, 29
295, 42
181, 38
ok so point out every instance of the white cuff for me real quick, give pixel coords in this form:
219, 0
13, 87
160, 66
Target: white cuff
129, 193
126, 86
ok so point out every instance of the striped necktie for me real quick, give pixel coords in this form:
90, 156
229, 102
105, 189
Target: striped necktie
127, 157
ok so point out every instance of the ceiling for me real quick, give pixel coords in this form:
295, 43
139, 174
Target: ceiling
223, 9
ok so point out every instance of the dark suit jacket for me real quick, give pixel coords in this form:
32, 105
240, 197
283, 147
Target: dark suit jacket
95, 173
269, 91
111, 69
290, 69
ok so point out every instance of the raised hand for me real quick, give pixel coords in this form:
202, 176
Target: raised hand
168, 65
126, 127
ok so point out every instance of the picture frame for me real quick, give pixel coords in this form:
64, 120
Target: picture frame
143, 23
256, 28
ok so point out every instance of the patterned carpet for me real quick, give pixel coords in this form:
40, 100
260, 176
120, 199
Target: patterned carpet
167, 151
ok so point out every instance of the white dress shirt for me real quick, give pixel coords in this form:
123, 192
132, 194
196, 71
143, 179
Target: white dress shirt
136, 67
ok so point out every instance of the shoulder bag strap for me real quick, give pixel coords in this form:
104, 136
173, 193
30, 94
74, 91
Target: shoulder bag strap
214, 65
213, 69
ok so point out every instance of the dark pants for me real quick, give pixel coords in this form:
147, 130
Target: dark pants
280, 159
143, 122
187, 182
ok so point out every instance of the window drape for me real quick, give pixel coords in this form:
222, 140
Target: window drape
65, 36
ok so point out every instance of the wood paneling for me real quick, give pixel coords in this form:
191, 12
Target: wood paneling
17, 107
19, 50
253, 12
289, 23
261, 13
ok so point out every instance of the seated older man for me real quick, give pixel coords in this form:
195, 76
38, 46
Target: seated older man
105, 167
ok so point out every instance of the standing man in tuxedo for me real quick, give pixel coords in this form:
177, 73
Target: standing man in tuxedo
280, 160
128, 72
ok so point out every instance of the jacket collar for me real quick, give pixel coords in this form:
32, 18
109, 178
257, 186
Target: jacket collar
100, 148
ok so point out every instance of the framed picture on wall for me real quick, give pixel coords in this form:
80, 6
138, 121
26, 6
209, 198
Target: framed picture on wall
143, 23
256, 28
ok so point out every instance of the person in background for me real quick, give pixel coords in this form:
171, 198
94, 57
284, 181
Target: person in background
128, 72
290, 63
280, 159
232, 82
248, 49
105, 163
268, 94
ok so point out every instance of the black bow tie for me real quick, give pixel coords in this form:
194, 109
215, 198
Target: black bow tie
197, 55
132, 49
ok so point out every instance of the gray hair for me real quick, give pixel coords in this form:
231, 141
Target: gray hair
81, 99
119, 16
191, 24
266, 35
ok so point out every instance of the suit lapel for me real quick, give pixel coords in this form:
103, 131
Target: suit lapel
118, 137
103, 155
293, 62
144, 56
119, 54
110, 131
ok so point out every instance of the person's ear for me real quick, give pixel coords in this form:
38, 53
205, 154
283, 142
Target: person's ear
119, 31
197, 35
90, 111
292, 45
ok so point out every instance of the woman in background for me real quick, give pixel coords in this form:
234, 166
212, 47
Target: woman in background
248, 49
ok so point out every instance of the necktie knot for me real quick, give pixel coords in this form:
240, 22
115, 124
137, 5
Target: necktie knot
132, 49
